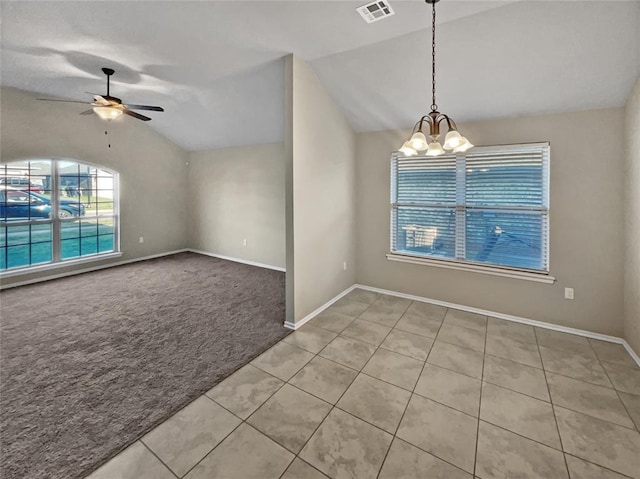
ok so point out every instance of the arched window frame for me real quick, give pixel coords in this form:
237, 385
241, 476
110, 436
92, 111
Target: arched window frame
57, 260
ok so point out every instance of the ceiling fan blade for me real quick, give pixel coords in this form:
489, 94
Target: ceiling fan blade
87, 112
144, 107
136, 115
65, 101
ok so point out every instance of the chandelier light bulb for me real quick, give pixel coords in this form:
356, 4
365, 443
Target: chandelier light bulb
418, 141
464, 146
434, 149
407, 150
453, 140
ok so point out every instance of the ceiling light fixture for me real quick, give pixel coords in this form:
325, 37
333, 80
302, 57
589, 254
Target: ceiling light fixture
418, 142
107, 112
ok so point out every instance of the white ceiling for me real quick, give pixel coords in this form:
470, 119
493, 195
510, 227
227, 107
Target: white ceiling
217, 67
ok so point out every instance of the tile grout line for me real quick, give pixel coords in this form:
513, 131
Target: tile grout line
156, 456
553, 410
637, 428
475, 457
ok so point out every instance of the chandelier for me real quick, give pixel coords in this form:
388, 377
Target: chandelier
418, 142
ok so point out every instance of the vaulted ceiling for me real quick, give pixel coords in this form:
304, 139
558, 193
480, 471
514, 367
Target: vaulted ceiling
217, 66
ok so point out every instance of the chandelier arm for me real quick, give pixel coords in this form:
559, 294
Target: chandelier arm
450, 123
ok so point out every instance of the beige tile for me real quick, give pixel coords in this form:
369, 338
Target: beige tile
511, 330
450, 388
596, 401
245, 390
427, 310
418, 324
366, 331
521, 414
347, 447
441, 431
613, 353
290, 417
518, 351
245, 454
394, 368
348, 307
460, 360
376, 402
463, 337
135, 462
623, 378
362, 296
409, 344
574, 365
282, 360
189, 435
349, 352
405, 461
324, 379
515, 376
579, 469
632, 404
393, 302
601, 442
466, 319
381, 314
331, 321
505, 455
564, 342
310, 338
301, 470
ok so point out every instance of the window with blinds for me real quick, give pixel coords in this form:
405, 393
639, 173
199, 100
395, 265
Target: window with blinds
489, 206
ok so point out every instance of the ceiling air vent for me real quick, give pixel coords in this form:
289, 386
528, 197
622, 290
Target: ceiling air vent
374, 11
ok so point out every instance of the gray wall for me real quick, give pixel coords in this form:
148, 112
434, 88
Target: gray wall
586, 224
153, 175
237, 194
320, 150
632, 221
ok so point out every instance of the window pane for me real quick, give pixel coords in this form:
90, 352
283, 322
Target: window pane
425, 231
508, 179
106, 243
506, 238
426, 180
25, 245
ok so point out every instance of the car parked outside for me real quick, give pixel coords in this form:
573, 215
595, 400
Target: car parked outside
20, 183
17, 204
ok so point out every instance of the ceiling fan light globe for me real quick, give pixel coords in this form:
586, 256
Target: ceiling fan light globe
107, 112
407, 150
464, 146
453, 140
434, 149
418, 141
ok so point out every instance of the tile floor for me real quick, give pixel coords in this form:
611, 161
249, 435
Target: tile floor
382, 387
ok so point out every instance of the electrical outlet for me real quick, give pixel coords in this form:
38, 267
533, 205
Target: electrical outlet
244, 242
568, 293
344, 266
141, 240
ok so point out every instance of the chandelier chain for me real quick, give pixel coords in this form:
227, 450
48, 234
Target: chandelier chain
434, 107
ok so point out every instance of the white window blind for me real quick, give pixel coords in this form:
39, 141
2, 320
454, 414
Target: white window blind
489, 206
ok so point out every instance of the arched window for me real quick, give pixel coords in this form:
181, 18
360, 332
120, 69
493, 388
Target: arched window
85, 224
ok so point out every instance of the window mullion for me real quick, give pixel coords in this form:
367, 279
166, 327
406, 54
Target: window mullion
55, 220
460, 207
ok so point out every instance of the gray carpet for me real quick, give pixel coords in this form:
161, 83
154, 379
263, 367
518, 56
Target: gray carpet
92, 362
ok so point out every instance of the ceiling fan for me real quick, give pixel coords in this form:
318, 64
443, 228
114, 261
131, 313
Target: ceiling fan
109, 107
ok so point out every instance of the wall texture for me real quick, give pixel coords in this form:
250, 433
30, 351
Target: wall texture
153, 175
321, 198
632, 221
237, 194
586, 224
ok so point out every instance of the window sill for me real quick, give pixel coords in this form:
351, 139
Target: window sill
507, 273
62, 264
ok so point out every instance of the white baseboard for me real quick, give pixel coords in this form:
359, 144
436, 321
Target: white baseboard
89, 269
237, 260
507, 317
313, 314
